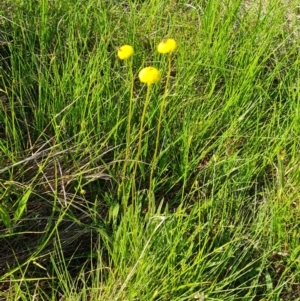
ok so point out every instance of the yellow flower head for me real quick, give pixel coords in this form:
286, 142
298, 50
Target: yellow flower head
149, 75
125, 52
167, 46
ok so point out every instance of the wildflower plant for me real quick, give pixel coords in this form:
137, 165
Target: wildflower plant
125, 53
166, 46
148, 75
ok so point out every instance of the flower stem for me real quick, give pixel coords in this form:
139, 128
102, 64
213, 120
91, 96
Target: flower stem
128, 138
161, 111
140, 142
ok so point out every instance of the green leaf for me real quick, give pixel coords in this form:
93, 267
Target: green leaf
22, 205
5, 217
114, 211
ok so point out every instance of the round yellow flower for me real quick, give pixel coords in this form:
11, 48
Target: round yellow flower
149, 75
125, 52
167, 46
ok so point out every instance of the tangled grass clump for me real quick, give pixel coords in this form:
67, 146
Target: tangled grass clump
174, 166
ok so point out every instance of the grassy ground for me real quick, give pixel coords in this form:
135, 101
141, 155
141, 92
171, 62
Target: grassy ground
184, 190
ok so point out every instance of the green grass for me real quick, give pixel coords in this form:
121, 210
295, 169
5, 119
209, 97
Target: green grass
195, 196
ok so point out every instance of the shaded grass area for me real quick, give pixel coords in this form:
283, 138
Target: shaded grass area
215, 217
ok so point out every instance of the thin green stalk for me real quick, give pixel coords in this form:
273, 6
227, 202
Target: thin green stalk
140, 140
129, 120
128, 139
161, 111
